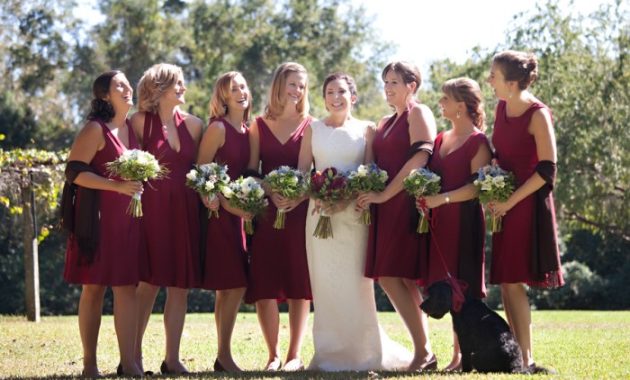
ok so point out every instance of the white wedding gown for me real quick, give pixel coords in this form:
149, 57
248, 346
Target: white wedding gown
346, 333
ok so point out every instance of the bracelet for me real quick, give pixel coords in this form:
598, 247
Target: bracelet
447, 199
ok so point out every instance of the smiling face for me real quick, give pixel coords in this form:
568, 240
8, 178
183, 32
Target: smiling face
496, 80
397, 92
175, 94
338, 97
449, 106
294, 88
120, 93
239, 97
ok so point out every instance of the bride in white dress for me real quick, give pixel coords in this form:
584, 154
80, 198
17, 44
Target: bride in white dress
346, 333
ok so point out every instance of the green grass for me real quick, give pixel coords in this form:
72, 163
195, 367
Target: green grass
578, 344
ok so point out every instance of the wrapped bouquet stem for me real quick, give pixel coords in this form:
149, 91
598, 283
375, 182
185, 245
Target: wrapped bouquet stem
136, 165
289, 183
495, 185
419, 183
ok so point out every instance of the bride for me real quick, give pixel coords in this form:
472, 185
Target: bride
346, 333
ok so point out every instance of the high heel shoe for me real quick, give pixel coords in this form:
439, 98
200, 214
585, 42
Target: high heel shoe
167, 371
217, 366
431, 365
119, 370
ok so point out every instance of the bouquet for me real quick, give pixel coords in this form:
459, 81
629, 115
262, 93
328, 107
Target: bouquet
329, 186
136, 165
365, 179
208, 180
247, 195
495, 184
288, 182
418, 183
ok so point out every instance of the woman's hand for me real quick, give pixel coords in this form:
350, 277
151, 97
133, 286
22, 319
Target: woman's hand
365, 199
333, 208
500, 208
430, 201
211, 202
129, 187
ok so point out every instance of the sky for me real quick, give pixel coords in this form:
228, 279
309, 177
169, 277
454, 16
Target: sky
426, 30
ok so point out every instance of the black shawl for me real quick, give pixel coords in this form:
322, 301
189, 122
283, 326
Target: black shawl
80, 219
545, 258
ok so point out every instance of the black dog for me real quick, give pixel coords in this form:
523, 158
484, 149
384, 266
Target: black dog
485, 339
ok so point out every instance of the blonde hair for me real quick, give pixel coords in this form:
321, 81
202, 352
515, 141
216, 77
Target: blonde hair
221, 93
275, 106
467, 90
154, 82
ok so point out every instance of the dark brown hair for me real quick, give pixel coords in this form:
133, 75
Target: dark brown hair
100, 108
409, 72
518, 66
467, 90
352, 86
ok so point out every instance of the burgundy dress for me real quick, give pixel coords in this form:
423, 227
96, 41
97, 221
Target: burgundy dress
512, 248
278, 265
452, 224
116, 259
394, 249
225, 264
171, 211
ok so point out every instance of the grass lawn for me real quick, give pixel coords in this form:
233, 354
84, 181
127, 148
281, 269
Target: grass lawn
578, 344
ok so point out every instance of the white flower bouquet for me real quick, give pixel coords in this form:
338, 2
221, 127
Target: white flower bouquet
288, 182
247, 195
136, 165
208, 180
495, 185
365, 179
419, 183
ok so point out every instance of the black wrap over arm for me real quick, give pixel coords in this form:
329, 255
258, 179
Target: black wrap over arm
420, 146
545, 256
80, 218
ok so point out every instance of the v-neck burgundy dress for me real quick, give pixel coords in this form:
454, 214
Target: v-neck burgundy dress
451, 223
512, 249
225, 260
120, 243
171, 210
278, 264
395, 249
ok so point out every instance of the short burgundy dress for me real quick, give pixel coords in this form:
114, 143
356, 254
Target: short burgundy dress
171, 210
512, 249
394, 249
120, 236
278, 266
225, 260
457, 231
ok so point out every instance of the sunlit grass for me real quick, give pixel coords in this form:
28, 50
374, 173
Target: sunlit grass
578, 344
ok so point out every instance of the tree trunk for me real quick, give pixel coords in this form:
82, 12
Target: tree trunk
31, 260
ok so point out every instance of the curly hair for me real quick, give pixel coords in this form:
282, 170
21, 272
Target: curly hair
154, 82
99, 107
467, 90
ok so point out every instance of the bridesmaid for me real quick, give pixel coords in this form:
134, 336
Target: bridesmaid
104, 242
226, 141
171, 210
457, 221
278, 265
402, 142
526, 252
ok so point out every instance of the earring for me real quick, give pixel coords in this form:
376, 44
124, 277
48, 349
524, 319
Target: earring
510, 95
458, 115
